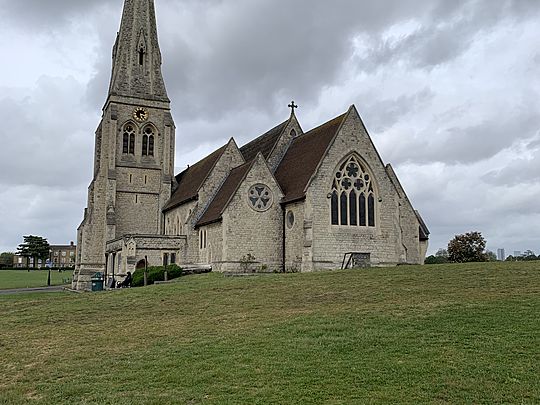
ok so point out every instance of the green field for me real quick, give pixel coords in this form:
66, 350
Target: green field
446, 334
35, 278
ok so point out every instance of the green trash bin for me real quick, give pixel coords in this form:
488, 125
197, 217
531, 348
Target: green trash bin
97, 282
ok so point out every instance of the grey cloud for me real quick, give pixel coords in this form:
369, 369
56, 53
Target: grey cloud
381, 114
40, 146
49, 15
37, 210
523, 170
232, 66
467, 144
453, 199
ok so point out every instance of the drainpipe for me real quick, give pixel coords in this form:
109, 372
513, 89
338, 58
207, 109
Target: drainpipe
113, 284
283, 251
106, 268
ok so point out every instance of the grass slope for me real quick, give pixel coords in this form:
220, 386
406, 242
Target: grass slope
35, 278
446, 334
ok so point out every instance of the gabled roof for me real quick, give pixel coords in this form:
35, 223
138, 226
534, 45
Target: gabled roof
424, 231
225, 193
303, 158
264, 143
190, 180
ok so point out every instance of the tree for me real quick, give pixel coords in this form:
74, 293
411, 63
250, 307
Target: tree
440, 257
35, 247
467, 248
491, 256
6, 259
528, 255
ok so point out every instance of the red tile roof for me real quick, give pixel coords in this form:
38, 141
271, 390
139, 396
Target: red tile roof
303, 157
264, 143
225, 193
191, 180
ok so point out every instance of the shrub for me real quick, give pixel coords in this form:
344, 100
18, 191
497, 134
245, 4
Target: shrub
156, 274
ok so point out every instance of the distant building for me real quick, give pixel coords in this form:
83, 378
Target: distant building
60, 256
501, 256
517, 253
63, 255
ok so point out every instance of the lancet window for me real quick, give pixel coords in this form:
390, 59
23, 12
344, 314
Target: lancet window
128, 140
353, 199
148, 142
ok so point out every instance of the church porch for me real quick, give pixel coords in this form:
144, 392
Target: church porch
135, 251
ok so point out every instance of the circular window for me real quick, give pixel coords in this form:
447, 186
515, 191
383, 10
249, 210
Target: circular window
290, 219
260, 197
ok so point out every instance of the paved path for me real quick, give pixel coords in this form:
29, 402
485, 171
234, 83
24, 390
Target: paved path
32, 290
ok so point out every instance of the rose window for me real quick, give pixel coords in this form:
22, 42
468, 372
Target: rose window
260, 197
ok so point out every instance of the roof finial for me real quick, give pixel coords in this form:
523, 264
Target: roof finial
292, 106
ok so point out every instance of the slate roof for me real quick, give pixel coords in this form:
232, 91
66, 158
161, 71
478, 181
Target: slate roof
191, 180
303, 157
264, 143
225, 193
424, 231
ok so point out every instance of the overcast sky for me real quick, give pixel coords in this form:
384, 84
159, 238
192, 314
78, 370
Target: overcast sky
448, 89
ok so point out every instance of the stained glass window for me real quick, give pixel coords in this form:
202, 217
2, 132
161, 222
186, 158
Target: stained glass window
352, 201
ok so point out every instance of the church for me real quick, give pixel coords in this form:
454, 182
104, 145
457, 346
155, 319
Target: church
290, 200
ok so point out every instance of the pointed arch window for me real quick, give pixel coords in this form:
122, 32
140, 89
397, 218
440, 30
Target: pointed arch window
145, 145
148, 142
128, 140
141, 56
353, 199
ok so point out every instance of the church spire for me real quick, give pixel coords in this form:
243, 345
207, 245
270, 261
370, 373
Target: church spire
136, 68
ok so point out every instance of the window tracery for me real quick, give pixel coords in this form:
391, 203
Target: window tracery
260, 197
148, 142
128, 140
352, 200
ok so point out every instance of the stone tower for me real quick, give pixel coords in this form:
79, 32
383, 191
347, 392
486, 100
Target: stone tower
134, 146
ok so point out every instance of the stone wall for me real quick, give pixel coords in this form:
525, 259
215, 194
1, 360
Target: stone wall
249, 233
130, 251
294, 237
189, 213
385, 242
292, 130
137, 214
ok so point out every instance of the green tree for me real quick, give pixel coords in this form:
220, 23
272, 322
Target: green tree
467, 248
529, 255
35, 247
440, 257
491, 257
6, 259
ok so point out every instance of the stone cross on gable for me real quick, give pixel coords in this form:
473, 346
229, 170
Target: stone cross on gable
292, 106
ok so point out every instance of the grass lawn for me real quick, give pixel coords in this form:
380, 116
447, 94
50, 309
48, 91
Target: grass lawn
35, 278
443, 334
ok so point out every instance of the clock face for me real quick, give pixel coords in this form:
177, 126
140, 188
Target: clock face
140, 114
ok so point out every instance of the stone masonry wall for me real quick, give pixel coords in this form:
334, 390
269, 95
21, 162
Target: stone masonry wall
294, 237
331, 242
284, 142
137, 214
248, 232
190, 212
